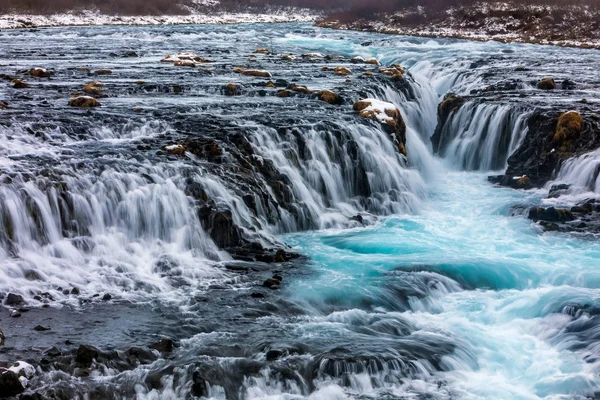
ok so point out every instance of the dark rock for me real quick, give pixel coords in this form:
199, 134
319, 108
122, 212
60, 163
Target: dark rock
199, 386
14, 300
15, 314
273, 355
53, 352
557, 190
220, 227
550, 214
139, 355
130, 53
41, 328
163, 345
272, 283
107, 297
568, 85
257, 295
357, 218
75, 291
86, 354
10, 385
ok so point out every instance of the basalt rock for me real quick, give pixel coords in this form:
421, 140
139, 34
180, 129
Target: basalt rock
551, 139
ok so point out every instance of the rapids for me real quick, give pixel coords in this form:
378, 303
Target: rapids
417, 279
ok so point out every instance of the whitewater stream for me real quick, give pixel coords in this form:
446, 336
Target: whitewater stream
412, 277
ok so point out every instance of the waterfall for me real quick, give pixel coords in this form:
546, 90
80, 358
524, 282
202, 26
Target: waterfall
480, 136
581, 173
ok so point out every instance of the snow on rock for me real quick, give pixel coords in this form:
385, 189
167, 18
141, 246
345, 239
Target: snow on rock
387, 114
383, 111
23, 369
313, 55
186, 59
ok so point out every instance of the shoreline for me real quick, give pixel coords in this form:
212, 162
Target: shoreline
64, 20
476, 37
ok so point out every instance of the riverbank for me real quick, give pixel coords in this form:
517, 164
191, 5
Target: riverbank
573, 26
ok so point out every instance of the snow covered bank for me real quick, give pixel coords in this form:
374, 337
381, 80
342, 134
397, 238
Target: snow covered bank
573, 26
12, 21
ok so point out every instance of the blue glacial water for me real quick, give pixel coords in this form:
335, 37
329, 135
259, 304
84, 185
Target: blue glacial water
470, 274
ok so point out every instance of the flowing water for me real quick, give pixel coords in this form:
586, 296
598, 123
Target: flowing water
443, 293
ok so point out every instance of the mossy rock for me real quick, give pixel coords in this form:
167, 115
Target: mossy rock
84, 102
569, 126
546, 84
330, 97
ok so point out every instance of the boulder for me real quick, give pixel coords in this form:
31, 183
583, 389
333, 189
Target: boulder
568, 84
284, 93
313, 55
387, 114
86, 354
14, 300
546, 84
186, 59
329, 97
256, 72
262, 51
270, 85
41, 328
272, 283
19, 84
301, 89
358, 60
184, 63
342, 71
176, 149
102, 72
231, 89
288, 58
84, 102
10, 384
40, 73
3, 104
163, 345
93, 89
550, 214
372, 61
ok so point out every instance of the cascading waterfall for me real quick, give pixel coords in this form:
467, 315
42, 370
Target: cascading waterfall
415, 282
581, 173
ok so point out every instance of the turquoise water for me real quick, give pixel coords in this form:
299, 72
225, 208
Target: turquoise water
497, 287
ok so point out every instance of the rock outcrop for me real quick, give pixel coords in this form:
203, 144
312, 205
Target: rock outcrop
387, 114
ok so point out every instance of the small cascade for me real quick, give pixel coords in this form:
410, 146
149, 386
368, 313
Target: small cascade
581, 173
480, 136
